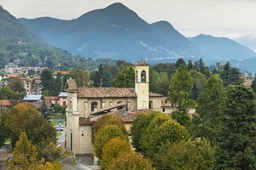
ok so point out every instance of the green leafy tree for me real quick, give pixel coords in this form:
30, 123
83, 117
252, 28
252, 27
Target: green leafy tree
159, 82
209, 110
81, 77
236, 146
186, 155
179, 62
180, 89
104, 136
3, 133
58, 84
139, 126
190, 65
253, 85
181, 117
199, 66
47, 80
161, 129
115, 148
125, 76
131, 161
6, 93
230, 75
199, 79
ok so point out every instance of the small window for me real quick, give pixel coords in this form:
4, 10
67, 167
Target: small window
163, 109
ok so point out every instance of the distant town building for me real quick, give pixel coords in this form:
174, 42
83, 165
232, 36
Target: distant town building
11, 68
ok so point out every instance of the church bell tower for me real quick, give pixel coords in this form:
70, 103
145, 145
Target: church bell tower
142, 84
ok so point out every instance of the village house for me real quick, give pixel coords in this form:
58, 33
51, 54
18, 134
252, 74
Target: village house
86, 105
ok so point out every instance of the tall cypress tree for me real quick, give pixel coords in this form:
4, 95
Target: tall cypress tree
236, 139
209, 109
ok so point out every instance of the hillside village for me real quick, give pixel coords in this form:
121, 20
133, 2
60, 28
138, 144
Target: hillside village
148, 101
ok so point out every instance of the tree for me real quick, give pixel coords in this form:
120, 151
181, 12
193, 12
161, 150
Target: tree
230, 75
236, 139
179, 62
40, 132
58, 84
115, 148
47, 80
199, 80
209, 110
24, 152
190, 65
24, 117
3, 133
105, 135
161, 129
125, 76
187, 155
159, 82
16, 84
6, 93
81, 77
253, 85
108, 120
131, 161
139, 126
180, 89
181, 117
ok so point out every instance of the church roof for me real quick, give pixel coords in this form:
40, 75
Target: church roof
104, 92
142, 63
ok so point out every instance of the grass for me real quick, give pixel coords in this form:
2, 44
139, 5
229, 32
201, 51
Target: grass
8, 140
58, 134
55, 121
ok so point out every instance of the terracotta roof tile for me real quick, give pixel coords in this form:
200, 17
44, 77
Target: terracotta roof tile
51, 97
142, 63
5, 102
84, 121
105, 92
70, 85
163, 103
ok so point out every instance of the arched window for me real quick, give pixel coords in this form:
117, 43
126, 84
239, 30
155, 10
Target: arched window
94, 106
143, 76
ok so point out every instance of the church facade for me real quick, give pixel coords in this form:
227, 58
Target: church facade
86, 104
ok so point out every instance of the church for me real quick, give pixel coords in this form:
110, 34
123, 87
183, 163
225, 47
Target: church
86, 104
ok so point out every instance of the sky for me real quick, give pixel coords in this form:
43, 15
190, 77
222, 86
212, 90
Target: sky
220, 18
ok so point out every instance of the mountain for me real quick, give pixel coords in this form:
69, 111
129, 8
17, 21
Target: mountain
248, 41
10, 28
114, 32
20, 45
221, 48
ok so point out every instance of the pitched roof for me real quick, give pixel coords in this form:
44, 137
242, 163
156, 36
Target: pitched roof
5, 102
62, 72
31, 97
38, 105
92, 92
63, 94
50, 97
70, 85
142, 63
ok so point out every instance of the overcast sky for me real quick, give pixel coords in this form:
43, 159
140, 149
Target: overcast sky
221, 18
